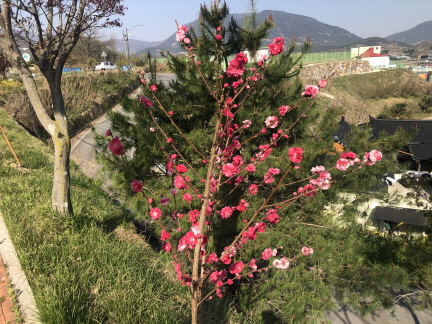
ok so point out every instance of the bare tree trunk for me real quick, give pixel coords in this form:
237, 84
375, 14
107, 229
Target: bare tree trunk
60, 198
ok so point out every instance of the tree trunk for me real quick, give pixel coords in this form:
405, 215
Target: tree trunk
60, 198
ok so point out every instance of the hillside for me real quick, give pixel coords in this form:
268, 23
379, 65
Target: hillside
287, 25
361, 95
420, 33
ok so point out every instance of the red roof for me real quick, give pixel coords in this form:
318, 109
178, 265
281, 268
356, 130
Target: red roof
370, 53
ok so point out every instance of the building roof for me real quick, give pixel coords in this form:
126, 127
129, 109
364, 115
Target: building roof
420, 145
370, 53
402, 215
390, 126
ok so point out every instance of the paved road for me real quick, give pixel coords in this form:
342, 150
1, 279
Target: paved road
83, 146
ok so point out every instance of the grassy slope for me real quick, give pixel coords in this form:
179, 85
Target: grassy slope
86, 269
361, 95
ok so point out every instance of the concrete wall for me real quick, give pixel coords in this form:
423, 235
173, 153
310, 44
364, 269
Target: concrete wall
319, 71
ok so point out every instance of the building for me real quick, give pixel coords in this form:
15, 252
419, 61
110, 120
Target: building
357, 51
376, 61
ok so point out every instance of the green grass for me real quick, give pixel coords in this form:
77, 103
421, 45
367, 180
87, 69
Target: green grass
90, 268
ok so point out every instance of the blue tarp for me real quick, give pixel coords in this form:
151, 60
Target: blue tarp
70, 69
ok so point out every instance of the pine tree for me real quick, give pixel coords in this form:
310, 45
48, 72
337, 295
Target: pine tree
343, 260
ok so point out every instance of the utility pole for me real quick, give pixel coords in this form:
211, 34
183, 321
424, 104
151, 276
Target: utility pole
126, 44
126, 41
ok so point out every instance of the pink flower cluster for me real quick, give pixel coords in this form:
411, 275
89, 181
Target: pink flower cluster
346, 160
236, 66
277, 46
311, 91
181, 33
372, 157
295, 154
146, 101
323, 180
116, 147
136, 186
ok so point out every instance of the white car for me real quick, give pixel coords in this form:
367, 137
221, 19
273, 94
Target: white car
102, 66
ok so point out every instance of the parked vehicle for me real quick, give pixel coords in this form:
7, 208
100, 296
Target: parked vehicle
102, 66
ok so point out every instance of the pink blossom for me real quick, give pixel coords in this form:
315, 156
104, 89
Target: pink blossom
317, 169
242, 206
267, 253
262, 59
306, 251
268, 178
181, 168
212, 258
218, 37
169, 140
236, 267
181, 33
342, 164
137, 186
273, 171
165, 235
247, 123
150, 200
272, 216
116, 147
147, 102
308, 190
226, 259
153, 88
277, 46
253, 265
186, 40
283, 110
236, 66
166, 246
226, 212
164, 201
216, 276
187, 241
271, 122
295, 154
350, 156
174, 191
322, 83
152, 129
282, 263
250, 168
230, 170
179, 182
310, 91
372, 157
108, 133
253, 189
155, 213
188, 197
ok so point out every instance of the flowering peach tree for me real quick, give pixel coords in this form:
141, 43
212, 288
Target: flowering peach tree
216, 197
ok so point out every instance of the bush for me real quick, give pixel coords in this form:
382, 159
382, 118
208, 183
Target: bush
425, 103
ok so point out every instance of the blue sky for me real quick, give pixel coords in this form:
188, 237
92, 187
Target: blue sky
365, 18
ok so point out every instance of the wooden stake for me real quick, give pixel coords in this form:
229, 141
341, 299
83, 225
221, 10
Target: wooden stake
10, 147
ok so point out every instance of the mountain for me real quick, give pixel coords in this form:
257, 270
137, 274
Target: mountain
287, 25
134, 45
418, 34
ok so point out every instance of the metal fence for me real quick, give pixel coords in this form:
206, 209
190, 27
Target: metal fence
324, 57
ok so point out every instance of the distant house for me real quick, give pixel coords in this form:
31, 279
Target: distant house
376, 61
357, 51
258, 55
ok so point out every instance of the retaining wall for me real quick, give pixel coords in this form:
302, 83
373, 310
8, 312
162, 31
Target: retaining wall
319, 71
